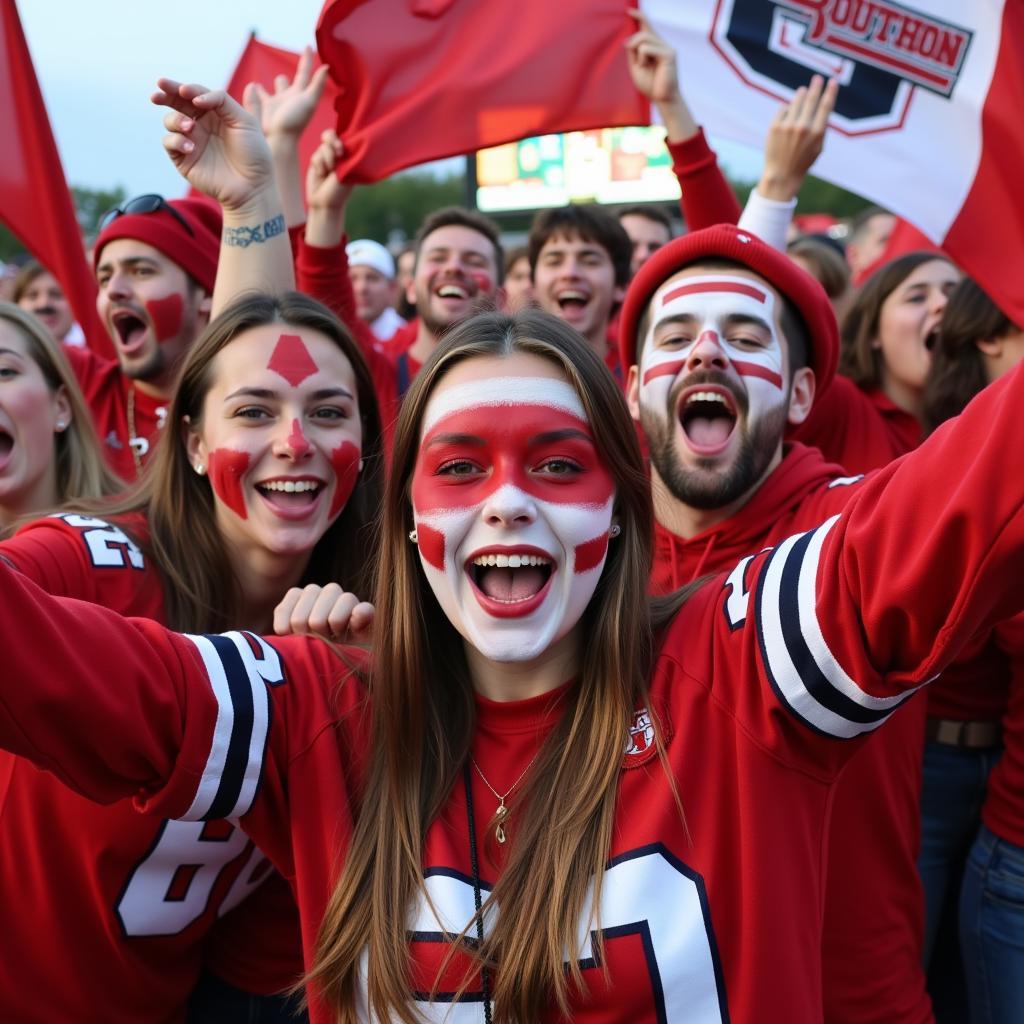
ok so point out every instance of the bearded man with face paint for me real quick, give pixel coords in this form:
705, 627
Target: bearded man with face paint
155, 273
728, 343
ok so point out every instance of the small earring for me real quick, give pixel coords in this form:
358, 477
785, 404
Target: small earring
414, 537
61, 425
200, 469
361, 463
615, 530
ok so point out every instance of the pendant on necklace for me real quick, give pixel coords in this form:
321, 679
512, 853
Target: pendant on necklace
499, 820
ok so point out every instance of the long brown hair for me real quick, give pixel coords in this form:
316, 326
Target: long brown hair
201, 592
81, 471
859, 358
958, 370
423, 720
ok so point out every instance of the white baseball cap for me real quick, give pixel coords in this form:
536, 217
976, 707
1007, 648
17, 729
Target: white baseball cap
365, 252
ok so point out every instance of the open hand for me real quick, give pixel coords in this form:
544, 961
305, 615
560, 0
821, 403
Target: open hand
287, 110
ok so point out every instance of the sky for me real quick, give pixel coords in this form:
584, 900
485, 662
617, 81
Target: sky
97, 62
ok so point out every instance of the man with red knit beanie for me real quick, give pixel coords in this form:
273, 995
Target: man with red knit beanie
726, 342
155, 262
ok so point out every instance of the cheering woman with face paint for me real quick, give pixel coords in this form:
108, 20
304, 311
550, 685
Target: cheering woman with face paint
539, 803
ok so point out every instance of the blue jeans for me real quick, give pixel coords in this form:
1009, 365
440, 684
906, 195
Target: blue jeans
992, 930
952, 792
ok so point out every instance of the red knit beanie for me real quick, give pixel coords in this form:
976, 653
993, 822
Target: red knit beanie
729, 242
196, 254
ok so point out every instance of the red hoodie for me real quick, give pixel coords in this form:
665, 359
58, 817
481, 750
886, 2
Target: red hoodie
874, 904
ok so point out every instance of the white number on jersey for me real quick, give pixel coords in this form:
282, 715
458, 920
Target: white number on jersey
738, 601
646, 892
172, 886
109, 547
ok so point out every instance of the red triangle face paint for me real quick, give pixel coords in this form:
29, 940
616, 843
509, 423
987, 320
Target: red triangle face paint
227, 467
291, 360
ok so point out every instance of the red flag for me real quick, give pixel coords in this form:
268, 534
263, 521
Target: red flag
263, 63
423, 79
34, 199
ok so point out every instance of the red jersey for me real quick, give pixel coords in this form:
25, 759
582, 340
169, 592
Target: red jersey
874, 903
110, 397
760, 679
106, 908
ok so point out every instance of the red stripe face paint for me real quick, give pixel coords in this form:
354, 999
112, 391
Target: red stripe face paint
755, 370
227, 467
591, 554
512, 505
345, 462
291, 360
483, 281
165, 315
714, 323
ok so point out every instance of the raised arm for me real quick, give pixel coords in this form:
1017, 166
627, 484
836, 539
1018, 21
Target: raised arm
218, 147
707, 197
795, 140
854, 615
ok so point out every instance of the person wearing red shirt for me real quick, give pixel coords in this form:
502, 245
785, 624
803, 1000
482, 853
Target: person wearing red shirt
144, 896
526, 730
728, 343
155, 263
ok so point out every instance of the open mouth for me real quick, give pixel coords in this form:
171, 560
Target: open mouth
571, 302
931, 339
130, 329
708, 418
291, 497
452, 291
510, 583
6, 446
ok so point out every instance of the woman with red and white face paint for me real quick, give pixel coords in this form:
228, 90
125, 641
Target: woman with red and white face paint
613, 823
269, 481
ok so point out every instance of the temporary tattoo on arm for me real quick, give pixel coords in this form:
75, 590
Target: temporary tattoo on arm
243, 237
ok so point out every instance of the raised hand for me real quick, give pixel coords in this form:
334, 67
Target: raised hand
326, 611
289, 108
796, 137
323, 189
214, 143
652, 62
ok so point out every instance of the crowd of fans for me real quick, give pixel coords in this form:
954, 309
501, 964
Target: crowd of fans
536, 508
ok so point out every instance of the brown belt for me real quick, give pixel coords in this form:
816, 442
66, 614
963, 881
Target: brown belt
970, 735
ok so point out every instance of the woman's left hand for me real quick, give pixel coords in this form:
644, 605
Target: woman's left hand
327, 611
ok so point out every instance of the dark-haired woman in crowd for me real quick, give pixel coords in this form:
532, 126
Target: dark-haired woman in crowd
541, 803
874, 410
972, 853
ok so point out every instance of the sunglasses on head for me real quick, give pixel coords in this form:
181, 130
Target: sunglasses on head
149, 203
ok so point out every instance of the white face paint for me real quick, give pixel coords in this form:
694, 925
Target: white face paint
708, 323
512, 507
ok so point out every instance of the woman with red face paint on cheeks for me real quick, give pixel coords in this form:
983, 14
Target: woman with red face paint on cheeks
270, 482
448, 819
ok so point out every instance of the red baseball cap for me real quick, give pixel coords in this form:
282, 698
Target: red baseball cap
727, 241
